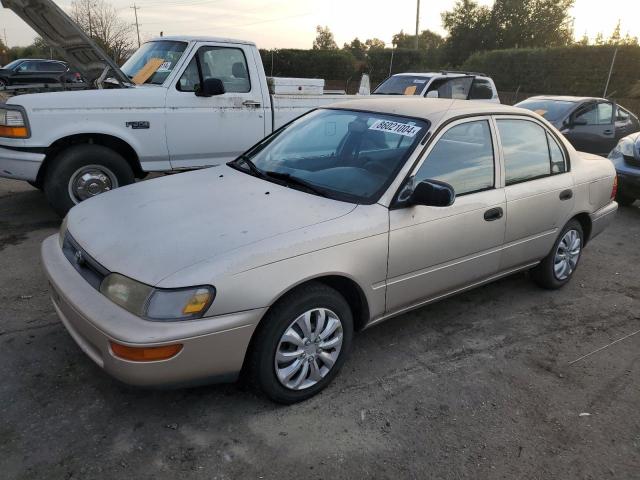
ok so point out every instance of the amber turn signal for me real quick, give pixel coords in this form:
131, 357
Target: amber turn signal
14, 132
145, 354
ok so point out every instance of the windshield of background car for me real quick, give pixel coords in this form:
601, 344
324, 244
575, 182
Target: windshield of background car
552, 110
347, 155
165, 54
11, 65
402, 85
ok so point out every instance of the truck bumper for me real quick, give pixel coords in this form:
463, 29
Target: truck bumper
213, 349
20, 165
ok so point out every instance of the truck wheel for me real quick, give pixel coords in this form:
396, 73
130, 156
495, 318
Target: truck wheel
301, 344
84, 171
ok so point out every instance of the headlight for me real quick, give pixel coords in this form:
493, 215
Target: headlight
63, 231
13, 123
156, 304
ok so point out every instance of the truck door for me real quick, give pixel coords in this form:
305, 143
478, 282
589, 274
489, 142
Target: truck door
205, 131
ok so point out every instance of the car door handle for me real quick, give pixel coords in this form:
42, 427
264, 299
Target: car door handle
608, 132
566, 194
251, 103
493, 214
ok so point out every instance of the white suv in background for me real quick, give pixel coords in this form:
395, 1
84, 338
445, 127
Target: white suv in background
444, 84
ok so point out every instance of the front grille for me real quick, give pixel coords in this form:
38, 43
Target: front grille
86, 266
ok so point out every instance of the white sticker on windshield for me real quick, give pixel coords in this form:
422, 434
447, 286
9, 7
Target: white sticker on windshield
419, 81
405, 129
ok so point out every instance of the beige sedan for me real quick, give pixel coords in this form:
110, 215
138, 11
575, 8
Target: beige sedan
346, 217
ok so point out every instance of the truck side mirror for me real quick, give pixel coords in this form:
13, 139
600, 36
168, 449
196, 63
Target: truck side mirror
432, 94
210, 88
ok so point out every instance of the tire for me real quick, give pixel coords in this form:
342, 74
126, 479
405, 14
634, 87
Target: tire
624, 200
268, 341
35, 185
95, 167
562, 253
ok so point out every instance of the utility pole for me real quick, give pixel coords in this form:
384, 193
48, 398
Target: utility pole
135, 10
417, 23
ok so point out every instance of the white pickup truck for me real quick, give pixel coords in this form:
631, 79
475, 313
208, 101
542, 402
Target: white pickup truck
178, 103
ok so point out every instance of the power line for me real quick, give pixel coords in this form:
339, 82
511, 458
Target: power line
135, 11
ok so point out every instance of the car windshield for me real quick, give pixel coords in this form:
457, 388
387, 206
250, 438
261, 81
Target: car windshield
342, 154
11, 65
157, 59
402, 85
552, 110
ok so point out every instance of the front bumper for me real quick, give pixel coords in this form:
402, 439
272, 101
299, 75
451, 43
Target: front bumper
213, 348
602, 218
19, 164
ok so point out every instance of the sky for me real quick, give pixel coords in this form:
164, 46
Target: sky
291, 24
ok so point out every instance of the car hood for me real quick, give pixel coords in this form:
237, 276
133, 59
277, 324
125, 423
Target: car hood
66, 37
110, 98
153, 229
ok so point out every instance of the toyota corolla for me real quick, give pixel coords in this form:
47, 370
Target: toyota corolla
346, 217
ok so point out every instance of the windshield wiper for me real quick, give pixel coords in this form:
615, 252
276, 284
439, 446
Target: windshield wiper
291, 180
255, 171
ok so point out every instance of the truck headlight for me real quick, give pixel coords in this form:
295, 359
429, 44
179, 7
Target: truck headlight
157, 304
13, 123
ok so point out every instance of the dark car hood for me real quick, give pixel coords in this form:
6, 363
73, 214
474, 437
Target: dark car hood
66, 37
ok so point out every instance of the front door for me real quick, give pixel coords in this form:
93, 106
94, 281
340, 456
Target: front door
592, 128
204, 131
435, 250
539, 190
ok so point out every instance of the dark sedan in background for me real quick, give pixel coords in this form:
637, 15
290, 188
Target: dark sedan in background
593, 125
626, 158
37, 71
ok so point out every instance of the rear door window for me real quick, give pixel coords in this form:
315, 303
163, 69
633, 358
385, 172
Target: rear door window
481, 90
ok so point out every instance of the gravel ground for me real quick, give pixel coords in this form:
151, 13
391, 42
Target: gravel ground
475, 387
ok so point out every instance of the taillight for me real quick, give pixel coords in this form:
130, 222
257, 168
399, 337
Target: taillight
614, 190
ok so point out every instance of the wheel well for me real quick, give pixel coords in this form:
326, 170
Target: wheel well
109, 141
585, 223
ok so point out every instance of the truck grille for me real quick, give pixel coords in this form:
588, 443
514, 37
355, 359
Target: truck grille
86, 266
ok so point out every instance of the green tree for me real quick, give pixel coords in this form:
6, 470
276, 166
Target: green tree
426, 40
357, 48
470, 30
372, 43
324, 39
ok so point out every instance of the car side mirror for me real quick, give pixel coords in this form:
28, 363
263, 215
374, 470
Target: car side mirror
432, 193
433, 94
210, 88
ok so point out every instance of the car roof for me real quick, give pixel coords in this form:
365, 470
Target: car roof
37, 60
565, 98
200, 38
432, 109
441, 74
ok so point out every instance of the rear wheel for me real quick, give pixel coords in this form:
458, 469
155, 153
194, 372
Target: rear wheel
624, 200
301, 344
84, 171
558, 267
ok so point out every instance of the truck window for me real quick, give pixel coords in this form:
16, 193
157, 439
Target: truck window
227, 64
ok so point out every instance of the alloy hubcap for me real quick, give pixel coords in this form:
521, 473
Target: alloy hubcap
90, 181
567, 255
308, 349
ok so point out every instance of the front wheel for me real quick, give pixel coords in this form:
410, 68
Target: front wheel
84, 171
558, 267
301, 344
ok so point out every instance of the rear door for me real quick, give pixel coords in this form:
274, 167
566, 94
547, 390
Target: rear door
538, 188
204, 131
591, 128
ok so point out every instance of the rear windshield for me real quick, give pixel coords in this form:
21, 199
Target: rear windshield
552, 110
159, 58
402, 85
